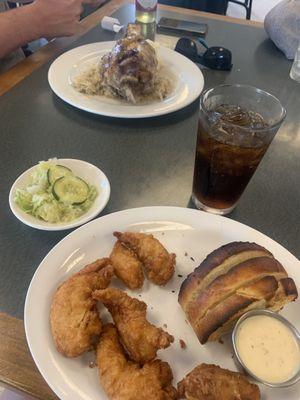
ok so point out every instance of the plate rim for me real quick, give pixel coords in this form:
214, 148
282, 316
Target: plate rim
87, 217
177, 106
231, 222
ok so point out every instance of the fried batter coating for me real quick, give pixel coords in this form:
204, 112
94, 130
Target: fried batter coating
127, 266
74, 317
159, 264
141, 339
211, 382
126, 380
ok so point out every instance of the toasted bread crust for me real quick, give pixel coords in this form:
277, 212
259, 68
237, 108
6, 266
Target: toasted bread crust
243, 274
235, 304
285, 293
223, 258
232, 280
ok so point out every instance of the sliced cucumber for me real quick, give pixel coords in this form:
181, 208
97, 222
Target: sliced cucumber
70, 190
57, 171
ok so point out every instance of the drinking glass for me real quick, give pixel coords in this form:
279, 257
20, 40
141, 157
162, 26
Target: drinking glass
236, 126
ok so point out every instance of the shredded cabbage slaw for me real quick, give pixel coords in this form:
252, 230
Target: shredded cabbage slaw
37, 199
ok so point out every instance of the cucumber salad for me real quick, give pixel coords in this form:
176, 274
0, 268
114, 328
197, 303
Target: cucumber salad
54, 194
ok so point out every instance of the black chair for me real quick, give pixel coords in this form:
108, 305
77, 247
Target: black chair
247, 4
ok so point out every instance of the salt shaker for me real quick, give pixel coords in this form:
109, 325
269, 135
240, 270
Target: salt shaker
295, 70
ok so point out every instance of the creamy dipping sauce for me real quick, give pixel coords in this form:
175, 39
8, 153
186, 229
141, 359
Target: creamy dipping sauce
268, 348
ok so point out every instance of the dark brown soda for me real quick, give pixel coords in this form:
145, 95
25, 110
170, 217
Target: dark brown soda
226, 158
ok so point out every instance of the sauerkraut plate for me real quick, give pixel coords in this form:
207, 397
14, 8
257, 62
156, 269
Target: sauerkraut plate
132, 71
136, 79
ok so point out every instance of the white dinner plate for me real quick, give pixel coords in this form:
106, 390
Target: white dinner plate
191, 234
89, 172
188, 86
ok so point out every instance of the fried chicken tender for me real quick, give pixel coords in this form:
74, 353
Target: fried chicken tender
127, 266
159, 264
141, 339
126, 380
211, 382
74, 317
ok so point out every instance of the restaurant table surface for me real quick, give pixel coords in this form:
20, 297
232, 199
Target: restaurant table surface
149, 162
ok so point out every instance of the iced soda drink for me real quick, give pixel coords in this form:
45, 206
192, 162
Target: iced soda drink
231, 142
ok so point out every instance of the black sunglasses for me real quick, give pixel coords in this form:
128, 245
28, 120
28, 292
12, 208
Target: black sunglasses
214, 57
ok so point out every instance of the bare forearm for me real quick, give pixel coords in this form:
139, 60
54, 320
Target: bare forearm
17, 27
43, 18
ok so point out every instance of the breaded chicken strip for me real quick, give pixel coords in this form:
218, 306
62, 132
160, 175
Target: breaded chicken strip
127, 266
141, 339
159, 264
74, 317
211, 382
125, 380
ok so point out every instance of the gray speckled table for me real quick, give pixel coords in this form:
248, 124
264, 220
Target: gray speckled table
148, 162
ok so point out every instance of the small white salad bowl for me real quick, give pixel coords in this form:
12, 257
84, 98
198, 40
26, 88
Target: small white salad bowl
90, 173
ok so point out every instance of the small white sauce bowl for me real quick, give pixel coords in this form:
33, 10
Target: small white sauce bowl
292, 329
89, 172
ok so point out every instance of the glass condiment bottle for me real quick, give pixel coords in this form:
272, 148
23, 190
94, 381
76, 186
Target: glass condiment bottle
145, 11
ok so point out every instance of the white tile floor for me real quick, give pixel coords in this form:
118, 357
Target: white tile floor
259, 9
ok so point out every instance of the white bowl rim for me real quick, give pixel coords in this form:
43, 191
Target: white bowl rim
89, 215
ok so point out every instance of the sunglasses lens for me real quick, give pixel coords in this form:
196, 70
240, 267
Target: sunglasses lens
214, 57
217, 58
187, 48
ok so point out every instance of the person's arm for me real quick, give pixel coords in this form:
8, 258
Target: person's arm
15, 29
43, 18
